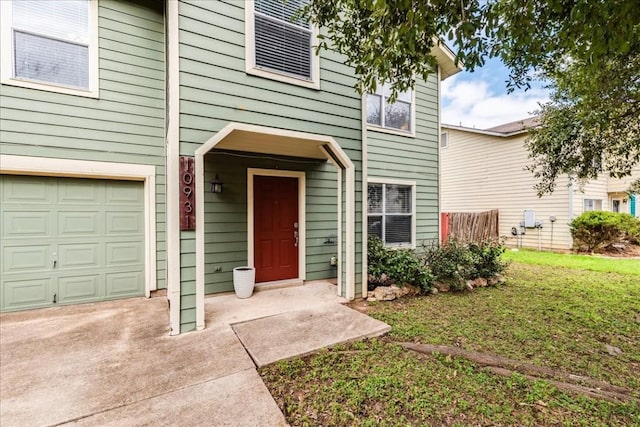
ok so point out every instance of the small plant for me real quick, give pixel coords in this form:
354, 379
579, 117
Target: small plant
598, 229
487, 257
400, 266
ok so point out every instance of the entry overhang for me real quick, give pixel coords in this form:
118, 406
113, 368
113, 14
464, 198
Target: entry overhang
266, 140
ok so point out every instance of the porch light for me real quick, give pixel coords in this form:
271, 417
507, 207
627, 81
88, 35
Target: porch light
216, 185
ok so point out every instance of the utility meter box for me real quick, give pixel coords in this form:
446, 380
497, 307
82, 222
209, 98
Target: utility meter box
529, 218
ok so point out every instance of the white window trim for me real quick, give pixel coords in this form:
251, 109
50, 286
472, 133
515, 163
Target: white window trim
6, 57
250, 54
594, 199
444, 136
392, 131
391, 181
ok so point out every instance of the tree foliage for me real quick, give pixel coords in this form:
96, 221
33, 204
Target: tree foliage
588, 50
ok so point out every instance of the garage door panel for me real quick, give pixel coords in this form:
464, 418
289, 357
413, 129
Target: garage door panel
24, 224
62, 241
28, 190
77, 255
123, 283
24, 294
80, 288
79, 223
124, 223
123, 192
26, 258
124, 253
80, 191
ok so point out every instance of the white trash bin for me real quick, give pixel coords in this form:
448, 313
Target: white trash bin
244, 279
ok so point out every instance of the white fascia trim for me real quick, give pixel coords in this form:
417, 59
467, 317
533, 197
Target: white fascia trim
42, 166
250, 54
173, 166
6, 47
302, 215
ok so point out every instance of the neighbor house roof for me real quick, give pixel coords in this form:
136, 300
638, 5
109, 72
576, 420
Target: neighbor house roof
504, 130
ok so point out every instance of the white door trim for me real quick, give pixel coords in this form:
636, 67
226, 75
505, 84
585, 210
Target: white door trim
302, 228
42, 166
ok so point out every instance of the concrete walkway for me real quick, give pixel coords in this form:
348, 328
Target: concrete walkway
113, 363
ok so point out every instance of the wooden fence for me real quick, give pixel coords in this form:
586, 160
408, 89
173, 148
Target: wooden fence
469, 226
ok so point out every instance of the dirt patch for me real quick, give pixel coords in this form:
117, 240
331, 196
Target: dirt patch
622, 251
360, 305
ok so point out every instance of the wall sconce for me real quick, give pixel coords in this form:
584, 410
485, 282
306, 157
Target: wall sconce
624, 201
216, 185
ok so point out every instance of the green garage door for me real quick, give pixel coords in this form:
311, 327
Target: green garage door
69, 240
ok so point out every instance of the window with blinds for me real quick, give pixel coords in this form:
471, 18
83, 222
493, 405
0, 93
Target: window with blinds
390, 213
51, 42
282, 39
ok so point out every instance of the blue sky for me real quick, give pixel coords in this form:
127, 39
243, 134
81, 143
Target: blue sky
480, 99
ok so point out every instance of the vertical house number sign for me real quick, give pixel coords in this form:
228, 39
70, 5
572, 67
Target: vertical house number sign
187, 194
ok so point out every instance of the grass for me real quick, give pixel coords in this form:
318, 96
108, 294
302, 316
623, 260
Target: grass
560, 315
582, 262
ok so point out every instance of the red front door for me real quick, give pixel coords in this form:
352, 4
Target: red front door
275, 219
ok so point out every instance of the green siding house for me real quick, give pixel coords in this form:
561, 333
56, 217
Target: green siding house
148, 145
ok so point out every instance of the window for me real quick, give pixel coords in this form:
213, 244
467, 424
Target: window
390, 213
397, 116
444, 140
592, 205
280, 43
50, 45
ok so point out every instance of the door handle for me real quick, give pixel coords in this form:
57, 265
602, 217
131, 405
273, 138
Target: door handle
295, 234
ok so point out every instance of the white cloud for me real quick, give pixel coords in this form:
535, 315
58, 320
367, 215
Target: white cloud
474, 103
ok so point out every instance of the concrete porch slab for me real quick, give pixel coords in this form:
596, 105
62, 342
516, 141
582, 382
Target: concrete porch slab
300, 332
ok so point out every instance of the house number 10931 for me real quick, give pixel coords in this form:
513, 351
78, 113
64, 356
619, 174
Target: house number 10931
187, 194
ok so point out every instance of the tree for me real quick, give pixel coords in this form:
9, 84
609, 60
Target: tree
588, 50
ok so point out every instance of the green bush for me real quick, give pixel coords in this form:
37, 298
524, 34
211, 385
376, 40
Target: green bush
598, 229
401, 266
455, 262
451, 263
487, 258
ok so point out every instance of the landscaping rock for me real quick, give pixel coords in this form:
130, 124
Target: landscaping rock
480, 282
442, 287
434, 291
613, 351
389, 293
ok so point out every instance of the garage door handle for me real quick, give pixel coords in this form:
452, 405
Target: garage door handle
54, 263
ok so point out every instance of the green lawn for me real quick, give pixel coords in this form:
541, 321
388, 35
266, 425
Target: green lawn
582, 262
559, 315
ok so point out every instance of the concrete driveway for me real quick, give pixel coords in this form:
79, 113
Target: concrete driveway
113, 363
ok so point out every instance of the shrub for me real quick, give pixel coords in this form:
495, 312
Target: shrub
401, 266
598, 229
454, 262
487, 258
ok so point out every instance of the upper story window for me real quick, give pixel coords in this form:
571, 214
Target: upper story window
397, 116
280, 43
444, 140
391, 212
50, 45
592, 205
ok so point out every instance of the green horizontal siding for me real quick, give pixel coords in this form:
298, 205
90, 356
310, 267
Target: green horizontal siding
413, 158
215, 90
126, 124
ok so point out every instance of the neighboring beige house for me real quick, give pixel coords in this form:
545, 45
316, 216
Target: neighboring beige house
483, 169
